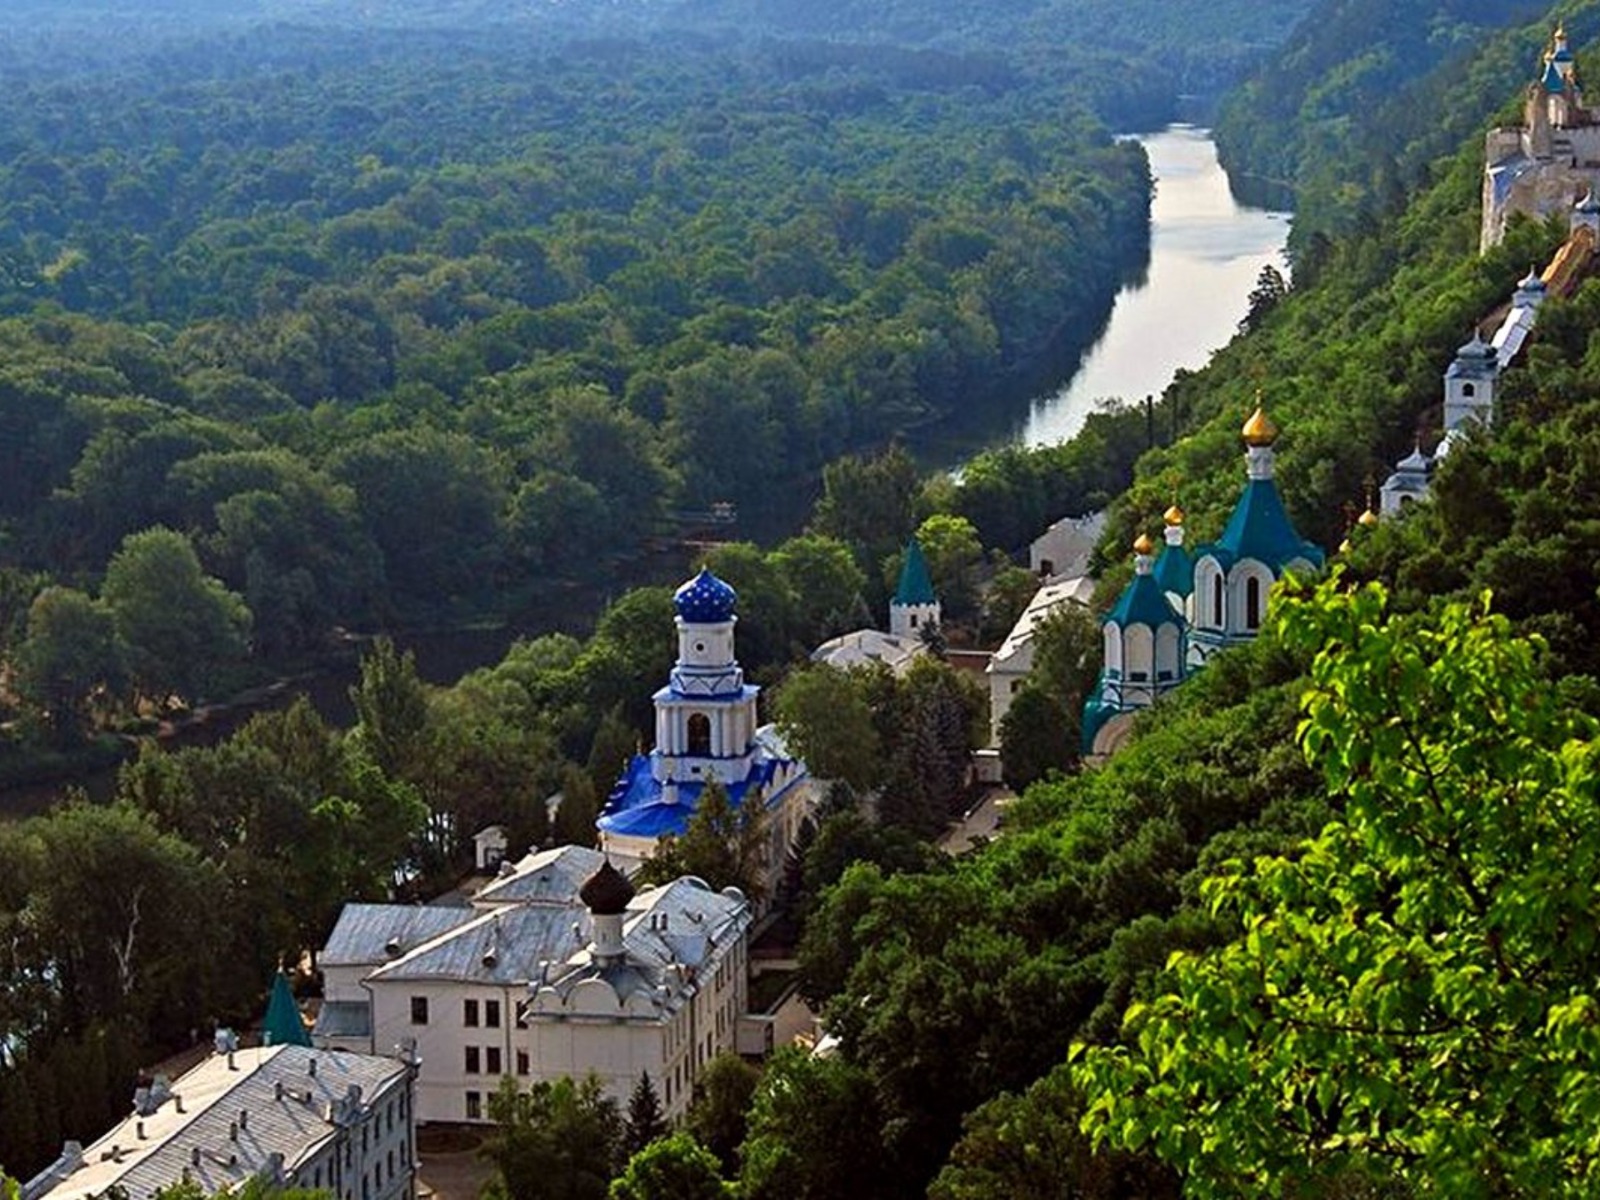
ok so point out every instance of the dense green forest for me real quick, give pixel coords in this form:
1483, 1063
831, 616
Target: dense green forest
563, 294
165, 461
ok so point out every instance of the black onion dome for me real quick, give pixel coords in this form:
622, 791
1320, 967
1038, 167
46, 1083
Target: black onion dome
607, 892
705, 599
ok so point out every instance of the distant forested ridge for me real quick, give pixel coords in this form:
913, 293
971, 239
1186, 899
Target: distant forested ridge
562, 289
1349, 115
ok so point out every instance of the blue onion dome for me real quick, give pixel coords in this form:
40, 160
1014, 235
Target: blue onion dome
705, 599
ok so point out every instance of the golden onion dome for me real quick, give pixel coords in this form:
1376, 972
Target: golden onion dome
1344, 546
1258, 430
1173, 515
1368, 518
1143, 545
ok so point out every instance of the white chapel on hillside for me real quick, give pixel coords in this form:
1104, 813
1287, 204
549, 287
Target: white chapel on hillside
707, 728
1178, 611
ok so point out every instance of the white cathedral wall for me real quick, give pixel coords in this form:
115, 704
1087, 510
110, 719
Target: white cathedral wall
1238, 583
1140, 647
1168, 652
1206, 573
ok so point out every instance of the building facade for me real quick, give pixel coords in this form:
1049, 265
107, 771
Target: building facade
538, 978
1179, 610
1545, 164
291, 1115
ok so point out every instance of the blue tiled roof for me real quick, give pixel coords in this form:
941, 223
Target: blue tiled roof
1260, 529
916, 587
1554, 81
705, 599
637, 806
1174, 571
1142, 603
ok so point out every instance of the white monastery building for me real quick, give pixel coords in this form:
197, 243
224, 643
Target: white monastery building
913, 611
290, 1115
1178, 611
557, 968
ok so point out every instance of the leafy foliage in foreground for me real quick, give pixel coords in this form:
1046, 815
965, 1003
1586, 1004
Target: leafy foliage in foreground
1409, 995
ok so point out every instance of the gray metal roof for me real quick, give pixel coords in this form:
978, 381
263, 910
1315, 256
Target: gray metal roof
503, 946
214, 1096
364, 932
679, 924
547, 877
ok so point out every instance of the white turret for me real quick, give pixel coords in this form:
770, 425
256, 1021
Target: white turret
1469, 385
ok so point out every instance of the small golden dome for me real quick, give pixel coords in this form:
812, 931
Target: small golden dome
1258, 430
1368, 518
1344, 546
1173, 515
1143, 545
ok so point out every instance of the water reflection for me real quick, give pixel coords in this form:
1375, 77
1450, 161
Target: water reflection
1206, 250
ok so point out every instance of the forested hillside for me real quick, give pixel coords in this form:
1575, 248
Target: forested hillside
1298, 1061
266, 303
1347, 118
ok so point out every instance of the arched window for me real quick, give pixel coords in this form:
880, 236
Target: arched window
1469, 390
699, 733
1141, 651
1252, 603
1216, 600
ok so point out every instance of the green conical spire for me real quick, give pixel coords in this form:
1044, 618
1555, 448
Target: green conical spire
915, 585
282, 1025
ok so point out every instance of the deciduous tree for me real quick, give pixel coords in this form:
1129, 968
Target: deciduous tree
1410, 995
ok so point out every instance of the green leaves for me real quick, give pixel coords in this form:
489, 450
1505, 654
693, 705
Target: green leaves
1402, 999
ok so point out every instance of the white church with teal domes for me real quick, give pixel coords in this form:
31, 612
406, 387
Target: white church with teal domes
707, 728
1178, 611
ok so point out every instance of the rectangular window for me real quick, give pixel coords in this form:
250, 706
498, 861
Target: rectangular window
472, 1060
491, 1013
419, 1010
522, 1062
469, 1013
474, 1106
491, 1060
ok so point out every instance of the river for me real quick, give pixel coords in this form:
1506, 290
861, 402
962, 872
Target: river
1206, 250
1205, 253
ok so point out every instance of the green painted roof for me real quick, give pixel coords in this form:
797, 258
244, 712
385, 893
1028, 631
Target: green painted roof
915, 585
1260, 529
1174, 571
1142, 603
282, 1025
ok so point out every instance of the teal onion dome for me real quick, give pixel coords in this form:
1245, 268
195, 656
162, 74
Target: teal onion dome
705, 599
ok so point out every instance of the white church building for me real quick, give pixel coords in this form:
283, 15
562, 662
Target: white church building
556, 968
707, 728
1178, 611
